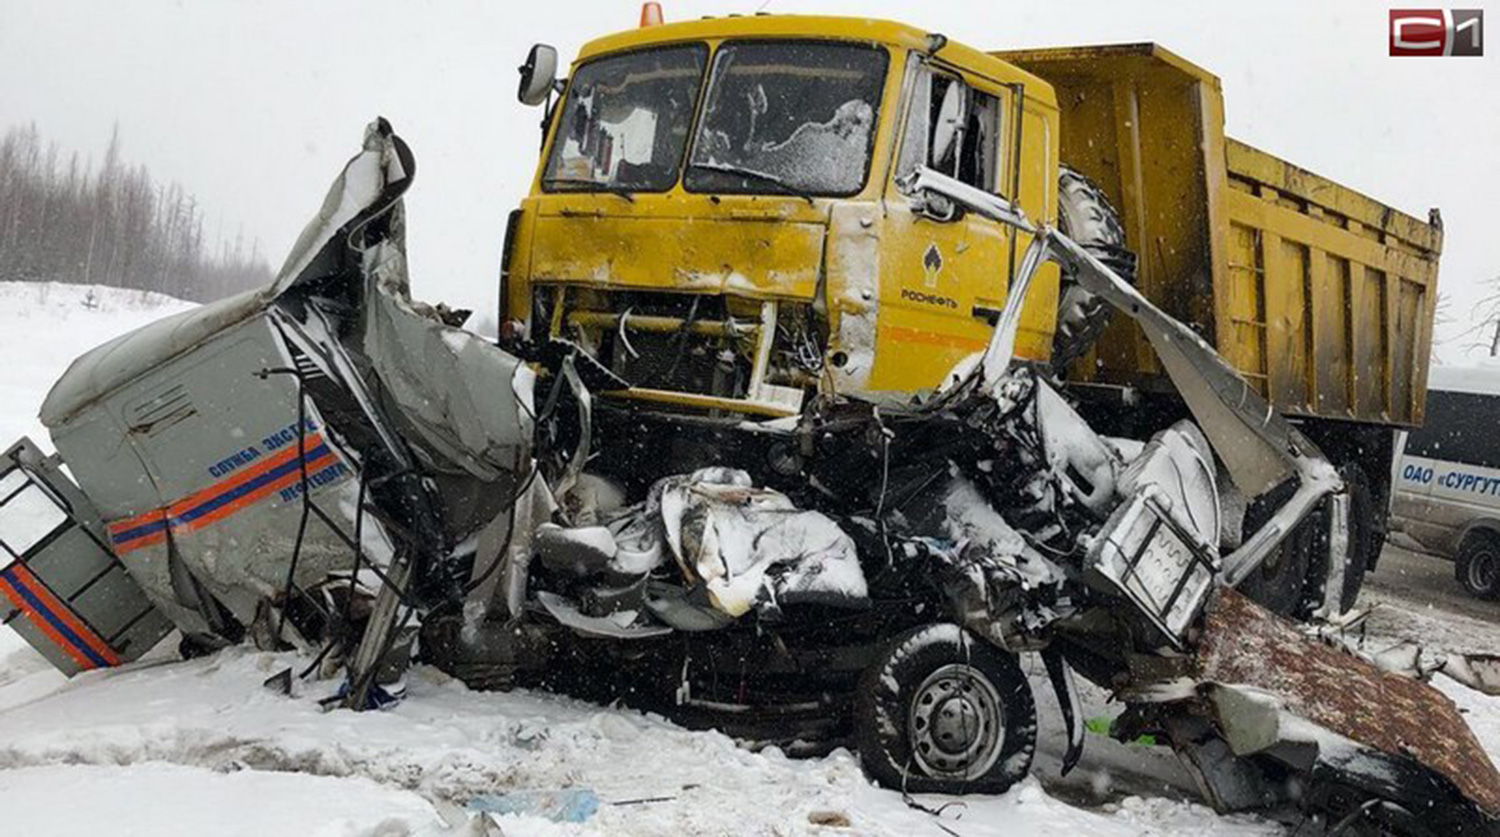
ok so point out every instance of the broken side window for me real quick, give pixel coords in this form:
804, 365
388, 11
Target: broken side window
952, 128
978, 162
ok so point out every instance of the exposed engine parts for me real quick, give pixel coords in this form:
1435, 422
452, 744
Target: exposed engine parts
328, 465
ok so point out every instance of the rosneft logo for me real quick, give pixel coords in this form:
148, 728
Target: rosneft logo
928, 299
932, 265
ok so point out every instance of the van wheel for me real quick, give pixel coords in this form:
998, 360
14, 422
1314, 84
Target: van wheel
941, 711
1085, 215
1477, 565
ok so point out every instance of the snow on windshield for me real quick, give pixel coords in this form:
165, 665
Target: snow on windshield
788, 117
817, 157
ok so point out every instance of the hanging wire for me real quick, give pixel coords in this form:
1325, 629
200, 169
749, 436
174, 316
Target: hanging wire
359, 547
291, 570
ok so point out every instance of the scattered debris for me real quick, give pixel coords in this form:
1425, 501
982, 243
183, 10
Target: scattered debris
830, 819
564, 805
1480, 672
393, 486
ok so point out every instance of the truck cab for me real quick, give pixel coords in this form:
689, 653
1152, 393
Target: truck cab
719, 216
727, 215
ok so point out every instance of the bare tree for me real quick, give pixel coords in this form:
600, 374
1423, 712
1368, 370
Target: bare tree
1483, 333
114, 226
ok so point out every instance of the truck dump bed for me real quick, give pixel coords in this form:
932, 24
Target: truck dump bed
1317, 294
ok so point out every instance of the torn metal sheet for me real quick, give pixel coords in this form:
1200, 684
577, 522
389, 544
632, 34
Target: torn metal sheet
460, 396
752, 547
246, 453
1257, 445
1247, 646
330, 433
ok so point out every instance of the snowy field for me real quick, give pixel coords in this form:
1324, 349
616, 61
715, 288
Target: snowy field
165, 747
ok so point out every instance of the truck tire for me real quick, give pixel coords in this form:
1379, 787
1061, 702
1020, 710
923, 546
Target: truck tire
1279, 584
1289, 582
1085, 215
1477, 564
941, 711
1365, 541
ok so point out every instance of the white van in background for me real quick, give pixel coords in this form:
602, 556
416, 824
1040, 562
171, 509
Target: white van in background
1446, 488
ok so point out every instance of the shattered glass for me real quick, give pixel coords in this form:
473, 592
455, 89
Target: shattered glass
625, 121
788, 117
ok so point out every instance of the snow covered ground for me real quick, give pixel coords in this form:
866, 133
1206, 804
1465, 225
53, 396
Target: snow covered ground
165, 747
44, 325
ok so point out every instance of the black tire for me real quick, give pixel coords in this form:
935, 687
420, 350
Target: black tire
1289, 581
1085, 215
1365, 541
1477, 564
192, 647
916, 702
1279, 584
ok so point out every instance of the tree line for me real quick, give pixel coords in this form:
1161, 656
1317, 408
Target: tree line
68, 221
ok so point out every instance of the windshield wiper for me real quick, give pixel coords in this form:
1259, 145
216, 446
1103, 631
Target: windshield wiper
592, 186
760, 176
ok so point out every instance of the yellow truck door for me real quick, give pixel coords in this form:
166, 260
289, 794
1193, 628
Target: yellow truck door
943, 273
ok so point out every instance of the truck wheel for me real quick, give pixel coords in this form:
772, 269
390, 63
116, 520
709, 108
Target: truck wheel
1086, 216
1280, 582
1477, 564
1364, 538
941, 711
1288, 582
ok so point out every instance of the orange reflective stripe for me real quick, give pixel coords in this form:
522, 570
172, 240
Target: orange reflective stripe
55, 619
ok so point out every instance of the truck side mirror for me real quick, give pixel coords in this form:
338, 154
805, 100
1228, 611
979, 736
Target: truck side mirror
947, 129
538, 75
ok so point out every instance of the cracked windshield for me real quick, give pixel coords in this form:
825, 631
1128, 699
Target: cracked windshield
625, 121
788, 117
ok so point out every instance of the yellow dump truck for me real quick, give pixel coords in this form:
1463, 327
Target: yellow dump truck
723, 216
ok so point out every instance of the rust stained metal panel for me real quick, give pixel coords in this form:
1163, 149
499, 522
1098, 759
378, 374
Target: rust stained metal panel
1287, 333
1412, 339
1370, 341
1245, 645
1253, 164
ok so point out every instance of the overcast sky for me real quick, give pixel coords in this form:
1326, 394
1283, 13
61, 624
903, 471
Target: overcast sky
254, 106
